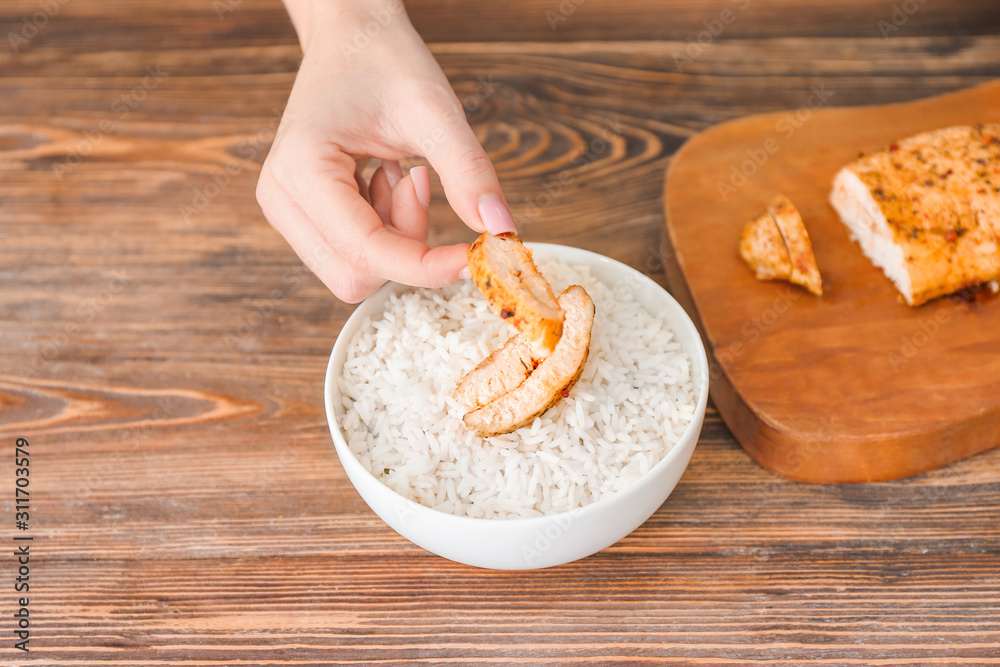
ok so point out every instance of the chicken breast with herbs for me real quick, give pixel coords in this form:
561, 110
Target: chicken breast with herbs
926, 210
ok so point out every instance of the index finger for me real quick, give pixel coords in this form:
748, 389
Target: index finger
355, 230
412, 262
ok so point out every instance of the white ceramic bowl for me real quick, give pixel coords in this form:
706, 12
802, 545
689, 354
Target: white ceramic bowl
521, 544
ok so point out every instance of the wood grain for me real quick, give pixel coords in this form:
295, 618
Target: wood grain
168, 371
259, 21
854, 386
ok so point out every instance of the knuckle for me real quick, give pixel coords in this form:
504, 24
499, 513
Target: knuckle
352, 280
357, 261
267, 194
473, 162
264, 192
349, 294
433, 112
283, 167
351, 289
290, 159
436, 98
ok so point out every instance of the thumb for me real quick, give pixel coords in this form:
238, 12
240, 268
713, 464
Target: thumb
469, 179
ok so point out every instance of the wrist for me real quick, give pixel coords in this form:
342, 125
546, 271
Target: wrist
350, 23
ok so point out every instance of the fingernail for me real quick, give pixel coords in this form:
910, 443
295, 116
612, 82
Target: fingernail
495, 215
421, 185
393, 172
464, 273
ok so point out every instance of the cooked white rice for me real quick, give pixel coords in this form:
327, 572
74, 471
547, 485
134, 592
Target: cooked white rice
631, 404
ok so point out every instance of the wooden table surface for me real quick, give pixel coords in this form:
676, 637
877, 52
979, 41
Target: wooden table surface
163, 351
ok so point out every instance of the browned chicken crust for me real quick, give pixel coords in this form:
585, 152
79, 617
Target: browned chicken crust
776, 246
926, 210
800, 252
762, 247
497, 374
551, 380
505, 273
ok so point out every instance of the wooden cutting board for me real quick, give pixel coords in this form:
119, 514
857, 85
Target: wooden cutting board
852, 386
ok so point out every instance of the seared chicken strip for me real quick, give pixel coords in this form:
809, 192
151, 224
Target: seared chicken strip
926, 210
800, 252
762, 247
550, 380
497, 374
776, 246
505, 273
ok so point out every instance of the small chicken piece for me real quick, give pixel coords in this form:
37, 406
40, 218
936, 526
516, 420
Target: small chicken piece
550, 380
800, 252
776, 246
505, 273
497, 374
763, 248
926, 210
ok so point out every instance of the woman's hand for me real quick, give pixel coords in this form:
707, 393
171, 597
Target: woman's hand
387, 99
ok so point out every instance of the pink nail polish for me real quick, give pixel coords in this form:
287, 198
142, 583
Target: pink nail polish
393, 172
495, 215
421, 185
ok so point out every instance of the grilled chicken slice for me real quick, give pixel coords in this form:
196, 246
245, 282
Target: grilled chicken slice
497, 374
776, 246
762, 247
550, 380
800, 252
505, 273
926, 210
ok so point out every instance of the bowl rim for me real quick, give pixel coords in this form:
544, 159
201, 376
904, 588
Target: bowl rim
699, 359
